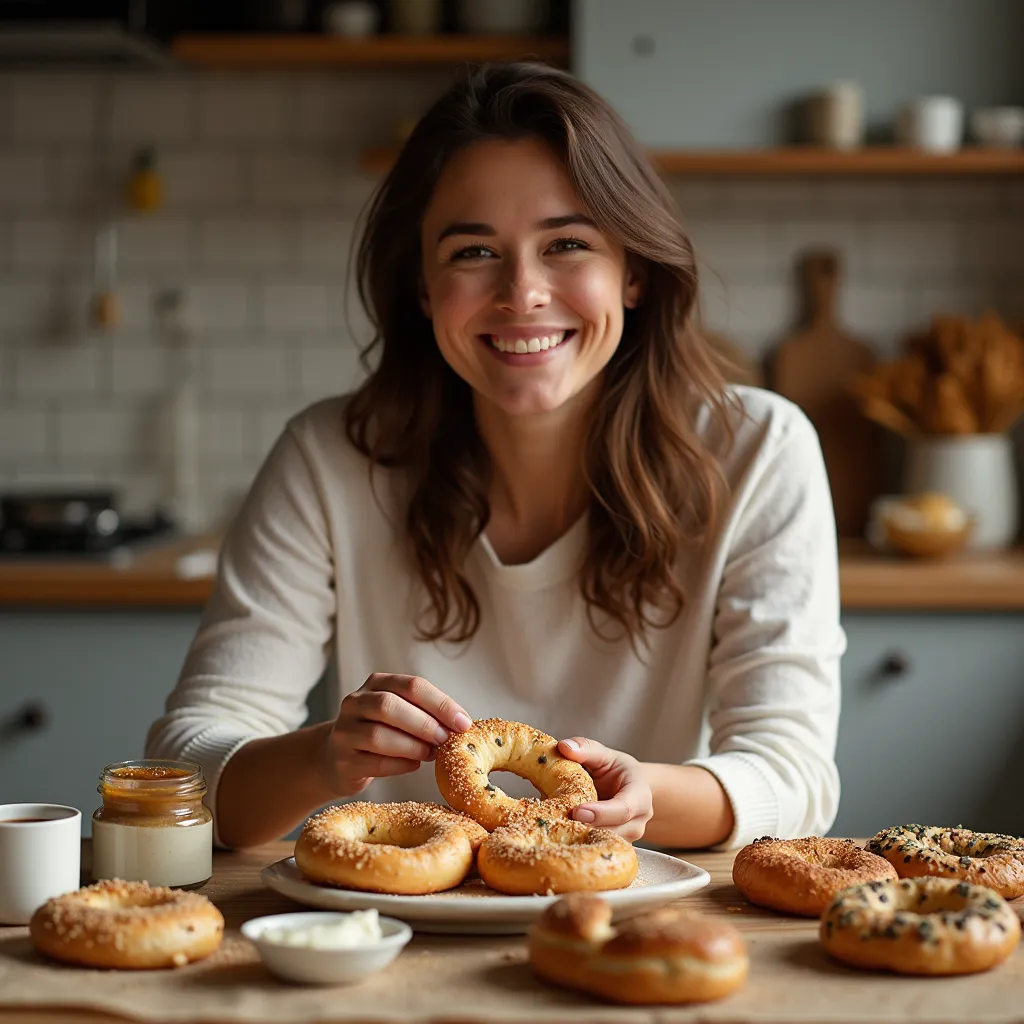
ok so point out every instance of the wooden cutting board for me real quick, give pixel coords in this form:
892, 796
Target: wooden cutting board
814, 367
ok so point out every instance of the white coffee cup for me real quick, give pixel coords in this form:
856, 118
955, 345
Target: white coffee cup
932, 123
40, 857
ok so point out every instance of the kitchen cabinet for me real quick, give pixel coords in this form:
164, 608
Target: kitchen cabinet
932, 725
79, 690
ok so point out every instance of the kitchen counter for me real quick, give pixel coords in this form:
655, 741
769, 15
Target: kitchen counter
486, 978
868, 580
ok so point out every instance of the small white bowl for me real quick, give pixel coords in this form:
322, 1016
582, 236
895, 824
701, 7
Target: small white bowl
998, 126
325, 966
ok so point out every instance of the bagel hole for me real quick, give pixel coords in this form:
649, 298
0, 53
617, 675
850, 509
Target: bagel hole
513, 785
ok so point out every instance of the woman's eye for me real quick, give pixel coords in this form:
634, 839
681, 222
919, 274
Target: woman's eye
471, 252
569, 245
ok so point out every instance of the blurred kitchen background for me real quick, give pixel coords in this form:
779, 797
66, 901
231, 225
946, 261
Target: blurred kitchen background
179, 192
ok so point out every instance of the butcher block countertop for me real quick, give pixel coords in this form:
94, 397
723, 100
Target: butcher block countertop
487, 978
159, 578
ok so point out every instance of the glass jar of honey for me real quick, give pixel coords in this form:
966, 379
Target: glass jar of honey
153, 825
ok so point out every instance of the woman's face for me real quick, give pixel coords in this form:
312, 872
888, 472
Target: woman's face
526, 295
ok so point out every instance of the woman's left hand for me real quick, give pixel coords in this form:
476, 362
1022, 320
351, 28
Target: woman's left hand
625, 804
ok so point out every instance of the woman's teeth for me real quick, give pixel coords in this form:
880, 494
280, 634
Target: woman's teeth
521, 346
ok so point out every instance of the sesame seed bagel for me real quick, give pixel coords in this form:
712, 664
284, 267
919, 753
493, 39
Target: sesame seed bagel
465, 760
981, 858
560, 855
404, 848
801, 876
667, 956
118, 924
920, 926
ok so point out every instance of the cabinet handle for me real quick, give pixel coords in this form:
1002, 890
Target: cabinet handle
32, 717
894, 666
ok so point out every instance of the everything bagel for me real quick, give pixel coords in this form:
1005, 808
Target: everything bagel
980, 858
465, 760
920, 926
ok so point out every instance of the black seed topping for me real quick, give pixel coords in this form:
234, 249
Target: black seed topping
498, 741
608, 856
373, 828
489, 788
470, 746
542, 759
542, 822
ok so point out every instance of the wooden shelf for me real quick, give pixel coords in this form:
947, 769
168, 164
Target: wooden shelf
256, 51
796, 161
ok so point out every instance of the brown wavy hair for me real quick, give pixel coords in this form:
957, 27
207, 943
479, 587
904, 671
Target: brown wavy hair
654, 484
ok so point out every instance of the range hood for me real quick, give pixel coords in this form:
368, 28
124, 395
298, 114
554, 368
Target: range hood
78, 44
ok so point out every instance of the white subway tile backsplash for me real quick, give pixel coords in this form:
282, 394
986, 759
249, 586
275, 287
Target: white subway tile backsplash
293, 307
731, 246
56, 108
224, 432
24, 181
26, 305
118, 435
324, 244
138, 370
151, 243
150, 111
58, 370
283, 180
789, 242
24, 432
246, 243
328, 369
914, 249
248, 370
262, 193
217, 306
878, 313
203, 180
52, 244
967, 298
994, 246
244, 109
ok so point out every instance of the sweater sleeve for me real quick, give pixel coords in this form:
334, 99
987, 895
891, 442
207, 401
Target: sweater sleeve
264, 637
774, 669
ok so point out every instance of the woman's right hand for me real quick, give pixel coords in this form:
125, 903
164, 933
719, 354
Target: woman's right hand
387, 727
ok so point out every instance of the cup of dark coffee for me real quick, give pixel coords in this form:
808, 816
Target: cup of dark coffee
40, 856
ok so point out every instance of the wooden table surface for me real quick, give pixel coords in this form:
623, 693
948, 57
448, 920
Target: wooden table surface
483, 978
868, 580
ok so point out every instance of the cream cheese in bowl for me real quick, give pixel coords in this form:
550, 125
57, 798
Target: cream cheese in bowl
341, 931
324, 948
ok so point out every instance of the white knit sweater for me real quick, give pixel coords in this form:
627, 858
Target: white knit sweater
745, 683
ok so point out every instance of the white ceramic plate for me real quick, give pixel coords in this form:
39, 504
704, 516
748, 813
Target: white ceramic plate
475, 909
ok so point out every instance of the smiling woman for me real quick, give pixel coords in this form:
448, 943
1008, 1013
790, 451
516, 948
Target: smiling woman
544, 505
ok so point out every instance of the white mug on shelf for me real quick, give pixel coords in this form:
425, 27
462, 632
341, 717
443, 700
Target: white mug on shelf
40, 857
932, 123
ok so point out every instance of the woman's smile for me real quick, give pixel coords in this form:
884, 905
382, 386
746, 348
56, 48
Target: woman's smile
526, 347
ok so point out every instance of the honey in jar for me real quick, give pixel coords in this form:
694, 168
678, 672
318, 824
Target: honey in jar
153, 825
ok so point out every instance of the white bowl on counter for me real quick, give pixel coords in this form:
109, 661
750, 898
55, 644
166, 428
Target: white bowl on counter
317, 966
